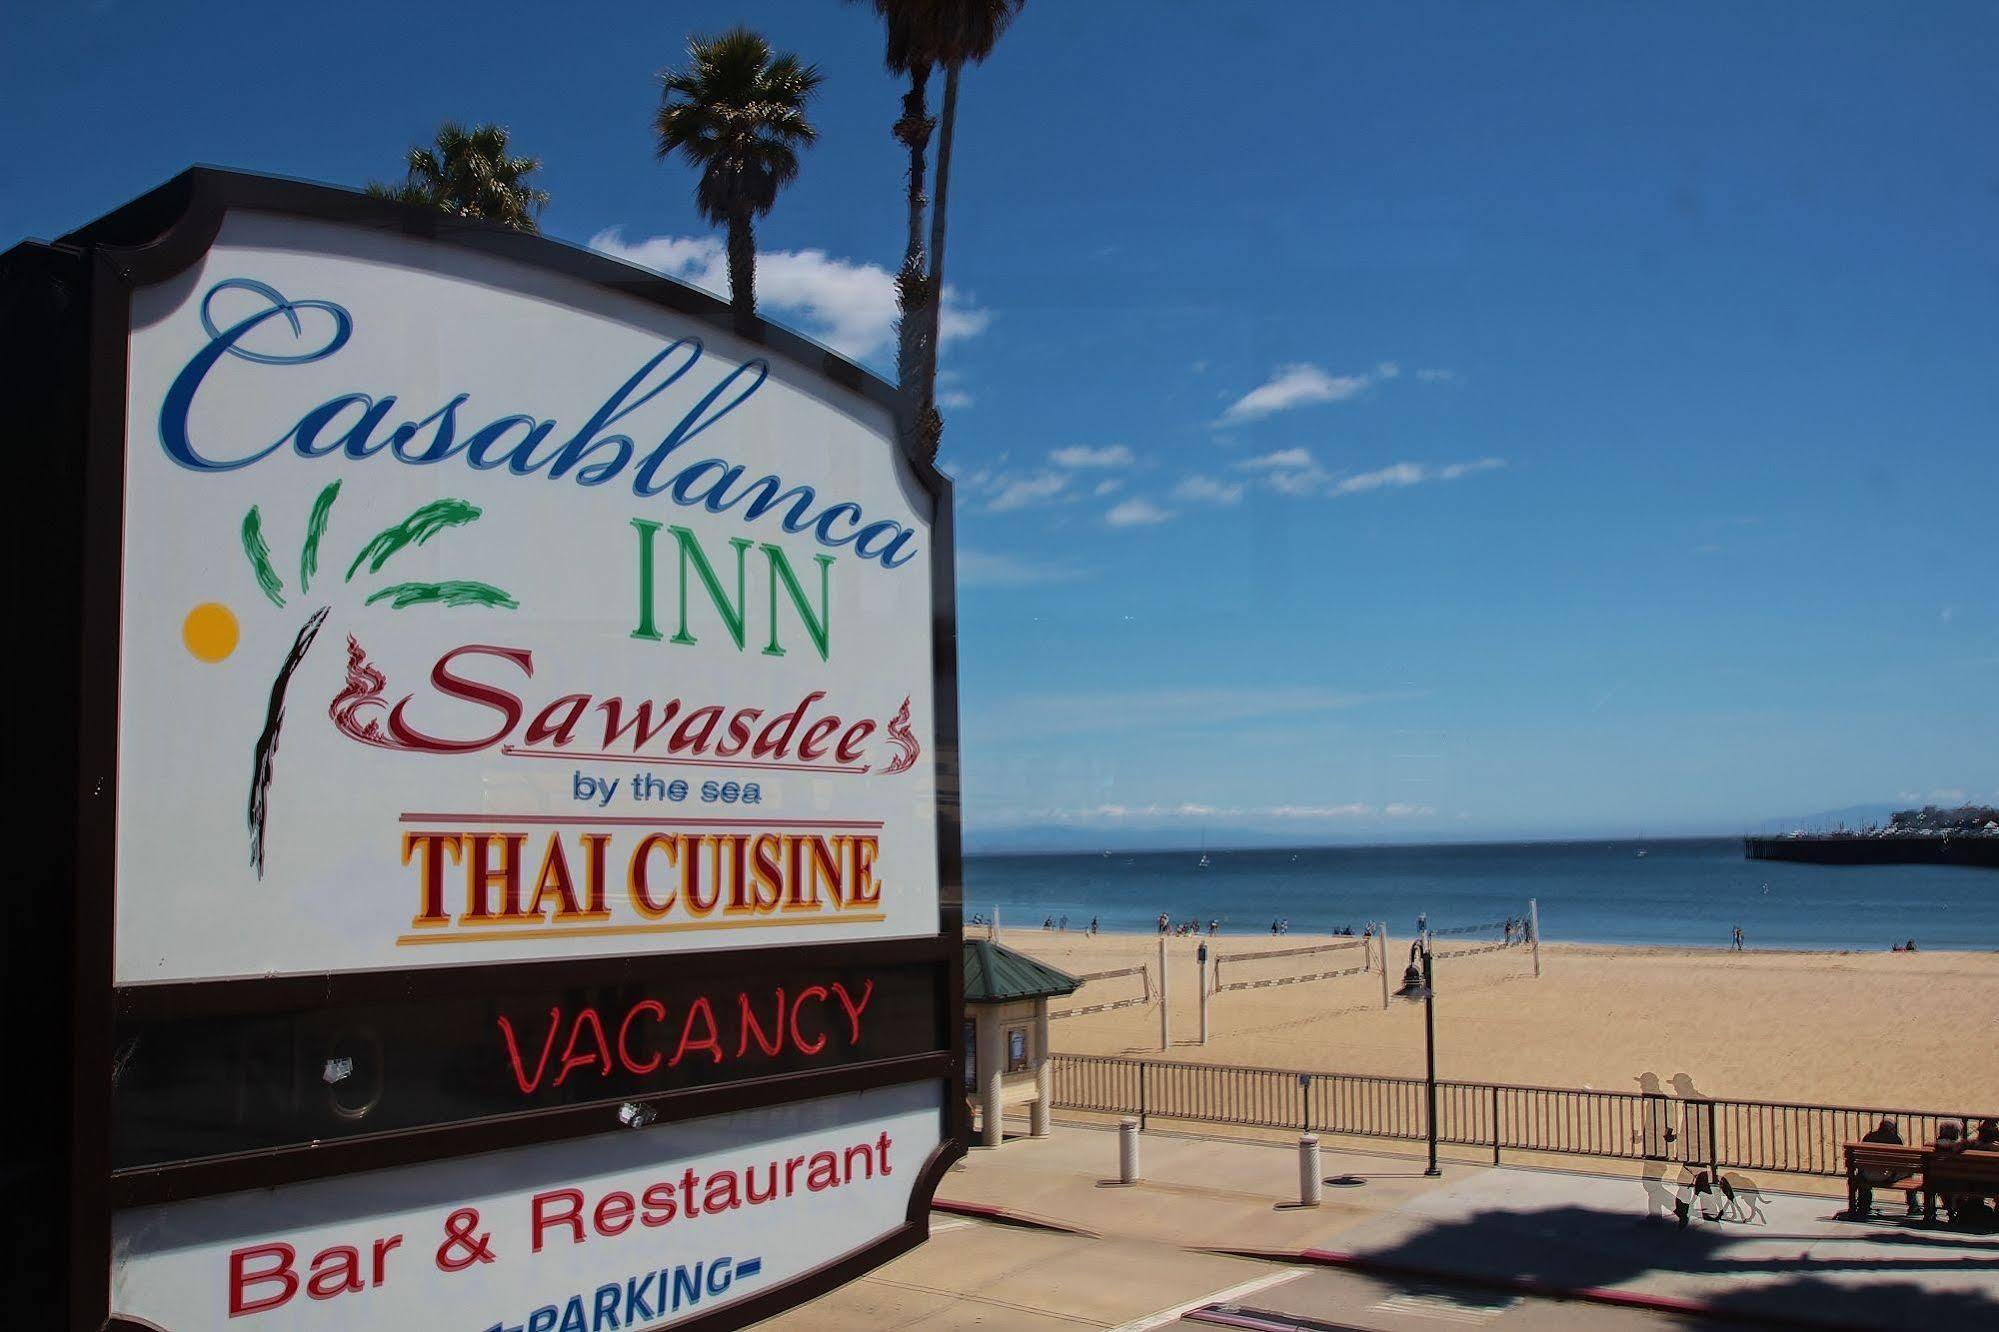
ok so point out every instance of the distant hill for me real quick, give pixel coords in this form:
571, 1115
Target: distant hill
1852, 816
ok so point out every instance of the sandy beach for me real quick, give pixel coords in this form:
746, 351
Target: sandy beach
1912, 1031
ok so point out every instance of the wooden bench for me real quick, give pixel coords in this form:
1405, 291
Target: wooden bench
1958, 1173
1881, 1165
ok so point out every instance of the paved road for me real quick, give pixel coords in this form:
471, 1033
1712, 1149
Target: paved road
977, 1275
1320, 1301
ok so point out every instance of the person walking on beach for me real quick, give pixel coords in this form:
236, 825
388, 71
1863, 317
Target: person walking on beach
1735, 938
1213, 926
1093, 927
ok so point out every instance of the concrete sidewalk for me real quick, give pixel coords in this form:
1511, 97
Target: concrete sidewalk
1554, 1230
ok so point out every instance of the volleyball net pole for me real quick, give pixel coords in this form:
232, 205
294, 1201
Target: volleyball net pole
1381, 936
1534, 932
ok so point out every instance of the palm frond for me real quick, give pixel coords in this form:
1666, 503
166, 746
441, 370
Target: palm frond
315, 528
452, 592
259, 551
416, 529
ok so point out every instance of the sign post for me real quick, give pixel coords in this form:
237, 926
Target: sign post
514, 718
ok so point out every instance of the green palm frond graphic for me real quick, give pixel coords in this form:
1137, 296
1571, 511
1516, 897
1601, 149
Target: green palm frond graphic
259, 552
422, 524
449, 593
315, 529
414, 530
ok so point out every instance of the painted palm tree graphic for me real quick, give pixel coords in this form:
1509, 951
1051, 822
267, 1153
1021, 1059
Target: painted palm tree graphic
421, 525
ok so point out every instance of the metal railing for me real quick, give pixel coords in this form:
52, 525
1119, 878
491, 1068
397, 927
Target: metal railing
1777, 1136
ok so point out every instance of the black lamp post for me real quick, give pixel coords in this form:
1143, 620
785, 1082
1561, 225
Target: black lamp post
1416, 984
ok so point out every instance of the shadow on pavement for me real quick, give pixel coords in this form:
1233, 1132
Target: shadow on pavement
1570, 1247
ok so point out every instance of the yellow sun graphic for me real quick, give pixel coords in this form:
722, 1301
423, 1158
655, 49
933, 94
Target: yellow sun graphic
210, 631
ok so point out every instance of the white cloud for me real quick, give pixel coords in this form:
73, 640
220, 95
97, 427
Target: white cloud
1081, 455
1108, 486
1021, 492
1207, 490
1387, 370
1452, 471
1137, 512
846, 305
1295, 385
951, 390
979, 568
1306, 482
1437, 376
1298, 472
1284, 459
1397, 475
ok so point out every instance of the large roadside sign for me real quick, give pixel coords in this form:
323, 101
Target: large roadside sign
516, 873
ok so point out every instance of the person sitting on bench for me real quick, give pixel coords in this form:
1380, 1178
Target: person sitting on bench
1885, 1131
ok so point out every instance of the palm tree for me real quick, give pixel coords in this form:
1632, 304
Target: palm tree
922, 34
469, 174
910, 51
738, 113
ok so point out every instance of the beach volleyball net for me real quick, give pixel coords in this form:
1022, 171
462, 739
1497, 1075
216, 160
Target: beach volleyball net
1493, 936
1325, 956
1139, 1000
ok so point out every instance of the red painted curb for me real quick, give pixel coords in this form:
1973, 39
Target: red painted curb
1532, 1286
1007, 1217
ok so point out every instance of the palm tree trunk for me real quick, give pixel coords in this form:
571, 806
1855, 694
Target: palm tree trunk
914, 131
930, 424
742, 266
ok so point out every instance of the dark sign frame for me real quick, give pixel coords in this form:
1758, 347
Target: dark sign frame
64, 327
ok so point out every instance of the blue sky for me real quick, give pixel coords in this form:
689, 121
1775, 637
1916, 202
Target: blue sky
1374, 421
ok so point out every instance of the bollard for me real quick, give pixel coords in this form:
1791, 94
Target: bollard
1311, 1184
1127, 1151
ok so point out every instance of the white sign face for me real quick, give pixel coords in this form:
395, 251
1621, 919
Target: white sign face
472, 613
629, 1230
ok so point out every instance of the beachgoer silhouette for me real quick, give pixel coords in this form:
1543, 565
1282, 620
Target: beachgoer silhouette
1694, 1143
1887, 1131
1653, 1138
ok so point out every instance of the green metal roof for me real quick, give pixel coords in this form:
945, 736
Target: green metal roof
995, 974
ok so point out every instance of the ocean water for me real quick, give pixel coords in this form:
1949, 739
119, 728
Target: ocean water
1679, 892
